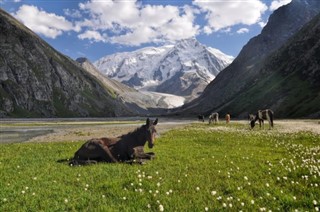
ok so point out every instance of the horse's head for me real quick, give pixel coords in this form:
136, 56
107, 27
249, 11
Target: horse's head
252, 123
151, 132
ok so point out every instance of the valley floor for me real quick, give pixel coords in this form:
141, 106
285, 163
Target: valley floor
56, 130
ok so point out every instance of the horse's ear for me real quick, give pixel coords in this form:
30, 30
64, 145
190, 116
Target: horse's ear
148, 122
155, 122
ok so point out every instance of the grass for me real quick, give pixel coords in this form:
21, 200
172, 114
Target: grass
198, 168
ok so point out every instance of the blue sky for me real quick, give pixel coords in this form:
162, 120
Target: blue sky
95, 28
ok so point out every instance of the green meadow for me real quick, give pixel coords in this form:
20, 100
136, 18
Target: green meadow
200, 167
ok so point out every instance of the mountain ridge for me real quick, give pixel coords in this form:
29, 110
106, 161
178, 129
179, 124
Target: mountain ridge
158, 68
38, 81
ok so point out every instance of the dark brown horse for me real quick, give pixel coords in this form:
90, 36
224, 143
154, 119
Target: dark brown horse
125, 148
201, 118
261, 116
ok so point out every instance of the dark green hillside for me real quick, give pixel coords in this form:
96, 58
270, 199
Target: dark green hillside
38, 81
278, 69
290, 79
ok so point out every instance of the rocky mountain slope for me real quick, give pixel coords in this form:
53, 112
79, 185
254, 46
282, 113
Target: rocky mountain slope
38, 81
263, 76
183, 69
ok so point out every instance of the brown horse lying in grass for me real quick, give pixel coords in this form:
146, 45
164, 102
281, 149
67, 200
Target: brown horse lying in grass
125, 148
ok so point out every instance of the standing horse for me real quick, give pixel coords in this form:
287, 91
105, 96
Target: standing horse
201, 118
125, 148
214, 117
261, 116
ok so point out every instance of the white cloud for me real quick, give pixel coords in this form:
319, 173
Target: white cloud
106, 14
243, 30
207, 30
92, 35
278, 3
137, 37
262, 24
130, 23
227, 13
47, 24
16, 1
72, 13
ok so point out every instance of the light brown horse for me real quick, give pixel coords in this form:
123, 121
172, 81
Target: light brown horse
125, 148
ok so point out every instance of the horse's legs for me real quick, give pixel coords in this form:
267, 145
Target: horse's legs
107, 157
261, 123
140, 154
270, 119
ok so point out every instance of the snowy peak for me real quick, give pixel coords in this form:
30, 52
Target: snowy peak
188, 65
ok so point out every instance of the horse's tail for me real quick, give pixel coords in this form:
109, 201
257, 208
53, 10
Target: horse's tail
77, 162
64, 160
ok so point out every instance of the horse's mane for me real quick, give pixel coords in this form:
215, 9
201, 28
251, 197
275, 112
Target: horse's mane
132, 133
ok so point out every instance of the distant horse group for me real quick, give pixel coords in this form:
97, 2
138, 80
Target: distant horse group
214, 118
260, 116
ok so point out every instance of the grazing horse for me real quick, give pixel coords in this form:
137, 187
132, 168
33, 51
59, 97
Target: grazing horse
201, 118
125, 148
214, 117
261, 116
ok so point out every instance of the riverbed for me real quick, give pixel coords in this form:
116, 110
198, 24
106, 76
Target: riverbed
82, 129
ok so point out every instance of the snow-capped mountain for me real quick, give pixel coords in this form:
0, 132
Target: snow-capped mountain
184, 69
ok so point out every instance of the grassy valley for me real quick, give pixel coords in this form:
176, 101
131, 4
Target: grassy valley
198, 167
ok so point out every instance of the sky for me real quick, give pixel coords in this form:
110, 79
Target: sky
95, 28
